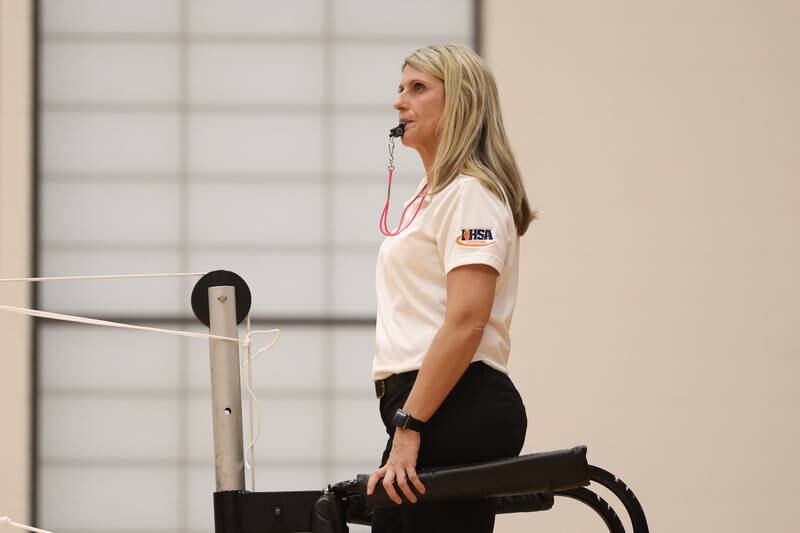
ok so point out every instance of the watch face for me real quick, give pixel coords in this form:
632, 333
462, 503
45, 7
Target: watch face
400, 419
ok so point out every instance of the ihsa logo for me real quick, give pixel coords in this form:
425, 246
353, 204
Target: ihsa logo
475, 237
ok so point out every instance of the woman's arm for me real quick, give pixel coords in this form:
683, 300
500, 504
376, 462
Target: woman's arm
470, 296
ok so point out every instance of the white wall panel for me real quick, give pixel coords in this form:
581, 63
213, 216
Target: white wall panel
412, 17
354, 284
260, 17
358, 433
119, 16
110, 72
258, 214
247, 73
107, 499
109, 428
263, 143
89, 358
80, 142
109, 213
353, 349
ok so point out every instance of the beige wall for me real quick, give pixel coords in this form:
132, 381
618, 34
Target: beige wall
658, 316
15, 253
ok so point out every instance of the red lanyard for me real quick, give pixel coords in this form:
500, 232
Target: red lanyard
382, 225
384, 215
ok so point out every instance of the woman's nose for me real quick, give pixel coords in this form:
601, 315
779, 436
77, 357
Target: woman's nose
399, 103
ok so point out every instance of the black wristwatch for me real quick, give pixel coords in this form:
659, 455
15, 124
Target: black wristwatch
402, 419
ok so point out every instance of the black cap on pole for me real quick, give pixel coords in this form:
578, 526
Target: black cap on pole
221, 278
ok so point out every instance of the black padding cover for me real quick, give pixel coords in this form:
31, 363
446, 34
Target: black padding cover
523, 503
534, 473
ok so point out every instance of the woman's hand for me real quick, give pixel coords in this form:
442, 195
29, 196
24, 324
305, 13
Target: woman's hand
401, 466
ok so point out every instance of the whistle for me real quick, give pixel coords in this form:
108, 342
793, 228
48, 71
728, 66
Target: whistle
398, 130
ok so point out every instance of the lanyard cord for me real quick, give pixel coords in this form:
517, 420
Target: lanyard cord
383, 225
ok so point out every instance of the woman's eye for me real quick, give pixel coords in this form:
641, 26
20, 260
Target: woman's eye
418, 87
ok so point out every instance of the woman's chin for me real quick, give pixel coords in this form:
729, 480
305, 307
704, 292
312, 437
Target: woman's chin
408, 142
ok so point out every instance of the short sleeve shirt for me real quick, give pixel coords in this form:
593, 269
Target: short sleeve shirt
465, 223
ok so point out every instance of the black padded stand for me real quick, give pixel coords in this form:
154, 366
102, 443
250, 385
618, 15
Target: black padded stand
521, 484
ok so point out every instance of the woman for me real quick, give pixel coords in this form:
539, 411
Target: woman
446, 286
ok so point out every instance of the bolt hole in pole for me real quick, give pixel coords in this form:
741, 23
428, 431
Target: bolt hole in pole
227, 411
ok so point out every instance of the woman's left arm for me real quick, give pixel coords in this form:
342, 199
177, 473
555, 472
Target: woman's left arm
470, 296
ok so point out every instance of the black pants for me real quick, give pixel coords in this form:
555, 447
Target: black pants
482, 419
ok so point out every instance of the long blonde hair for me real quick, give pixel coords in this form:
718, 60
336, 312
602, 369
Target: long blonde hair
472, 138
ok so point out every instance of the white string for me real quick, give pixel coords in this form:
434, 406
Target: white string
252, 401
247, 378
254, 406
6, 520
106, 276
95, 322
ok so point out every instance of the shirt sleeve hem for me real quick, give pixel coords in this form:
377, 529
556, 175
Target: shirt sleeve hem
475, 259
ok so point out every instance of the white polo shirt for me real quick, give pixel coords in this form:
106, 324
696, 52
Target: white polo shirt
463, 224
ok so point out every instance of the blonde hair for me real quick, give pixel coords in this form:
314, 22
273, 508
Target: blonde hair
472, 138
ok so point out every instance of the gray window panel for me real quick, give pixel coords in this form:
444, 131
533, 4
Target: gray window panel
256, 143
110, 72
358, 433
87, 359
413, 17
369, 74
246, 108
108, 498
354, 284
353, 349
109, 428
360, 147
119, 16
244, 73
138, 297
110, 142
283, 283
256, 17
295, 363
262, 214
291, 429
109, 213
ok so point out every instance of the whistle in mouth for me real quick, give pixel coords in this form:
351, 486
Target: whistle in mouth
398, 130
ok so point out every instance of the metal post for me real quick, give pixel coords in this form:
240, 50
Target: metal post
226, 392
